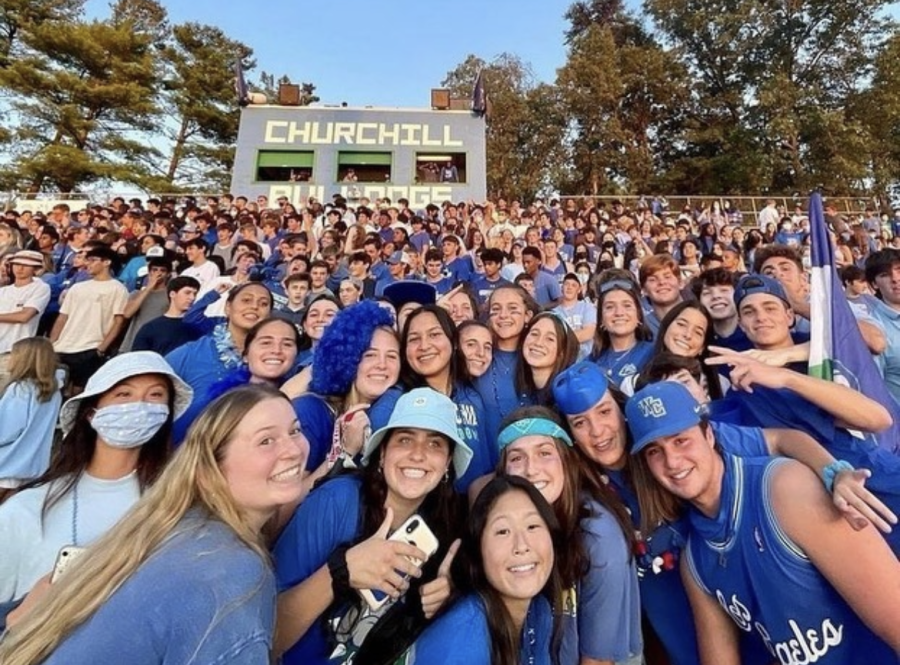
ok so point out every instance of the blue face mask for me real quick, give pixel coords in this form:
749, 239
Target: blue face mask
129, 425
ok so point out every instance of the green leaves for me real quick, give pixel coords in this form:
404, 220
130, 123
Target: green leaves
125, 99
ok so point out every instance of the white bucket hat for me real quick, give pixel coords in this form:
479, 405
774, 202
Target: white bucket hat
424, 408
123, 367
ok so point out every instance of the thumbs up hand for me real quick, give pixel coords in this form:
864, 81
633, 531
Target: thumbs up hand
437, 592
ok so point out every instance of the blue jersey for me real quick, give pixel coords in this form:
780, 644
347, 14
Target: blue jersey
619, 365
766, 584
663, 598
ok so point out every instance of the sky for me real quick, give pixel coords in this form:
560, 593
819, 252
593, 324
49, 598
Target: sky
388, 52
380, 53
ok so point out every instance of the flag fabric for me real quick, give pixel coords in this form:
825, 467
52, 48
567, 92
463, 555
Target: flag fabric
240, 84
479, 96
837, 350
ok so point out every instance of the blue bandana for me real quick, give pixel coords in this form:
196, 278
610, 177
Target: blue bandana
531, 427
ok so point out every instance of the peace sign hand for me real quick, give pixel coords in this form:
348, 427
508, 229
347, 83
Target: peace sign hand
436, 592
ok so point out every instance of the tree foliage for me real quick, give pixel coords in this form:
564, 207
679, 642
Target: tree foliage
686, 97
125, 99
775, 84
525, 131
695, 96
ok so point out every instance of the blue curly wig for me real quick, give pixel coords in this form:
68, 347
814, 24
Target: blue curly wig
337, 355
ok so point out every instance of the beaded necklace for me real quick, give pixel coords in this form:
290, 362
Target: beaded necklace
503, 367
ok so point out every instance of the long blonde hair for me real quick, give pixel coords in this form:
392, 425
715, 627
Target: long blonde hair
192, 478
33, 359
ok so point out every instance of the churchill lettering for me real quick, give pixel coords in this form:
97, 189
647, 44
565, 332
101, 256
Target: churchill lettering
309, 132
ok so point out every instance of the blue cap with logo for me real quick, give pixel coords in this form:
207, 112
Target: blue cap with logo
579, 387
750, 285
659, 410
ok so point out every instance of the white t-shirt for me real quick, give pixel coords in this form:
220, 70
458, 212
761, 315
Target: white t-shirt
218, 307
28, 551
16, 298
91, 307
204, 273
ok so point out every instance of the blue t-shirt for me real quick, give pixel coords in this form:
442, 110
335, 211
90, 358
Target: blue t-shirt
198, 364
460, 269
483, 287
203, 597
619, 365
602, 614
420, 240
558, 272
889, 360
663, 598
163, 335
329, 517
461, 636
583, 313
546, 288
497, 387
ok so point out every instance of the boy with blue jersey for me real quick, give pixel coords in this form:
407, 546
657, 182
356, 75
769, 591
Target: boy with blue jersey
767, 554
840, 418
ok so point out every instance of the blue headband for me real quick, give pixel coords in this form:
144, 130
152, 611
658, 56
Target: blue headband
531, 427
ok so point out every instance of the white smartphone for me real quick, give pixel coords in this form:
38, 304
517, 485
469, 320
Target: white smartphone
67, 555
415, 532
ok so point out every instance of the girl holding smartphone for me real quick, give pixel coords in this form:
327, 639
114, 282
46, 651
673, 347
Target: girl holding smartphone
337, 542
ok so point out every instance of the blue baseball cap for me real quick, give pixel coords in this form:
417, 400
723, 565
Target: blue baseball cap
579, 387
424, 408
750, 285
660, 409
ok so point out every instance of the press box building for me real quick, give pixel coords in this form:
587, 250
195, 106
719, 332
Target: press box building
423, 155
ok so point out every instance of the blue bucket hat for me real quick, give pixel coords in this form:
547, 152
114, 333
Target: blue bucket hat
659, 410
750, 285
424, 408
579, 387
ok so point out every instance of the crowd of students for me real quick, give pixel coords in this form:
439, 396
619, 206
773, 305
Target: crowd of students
250, 432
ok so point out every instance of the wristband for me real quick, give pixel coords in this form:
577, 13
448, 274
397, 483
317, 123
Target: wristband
830, 472
340, 575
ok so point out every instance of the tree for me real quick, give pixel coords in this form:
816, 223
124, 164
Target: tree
199, 99
773, 82
525, 131
623, 96
877, 112
17, 16
80, 93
